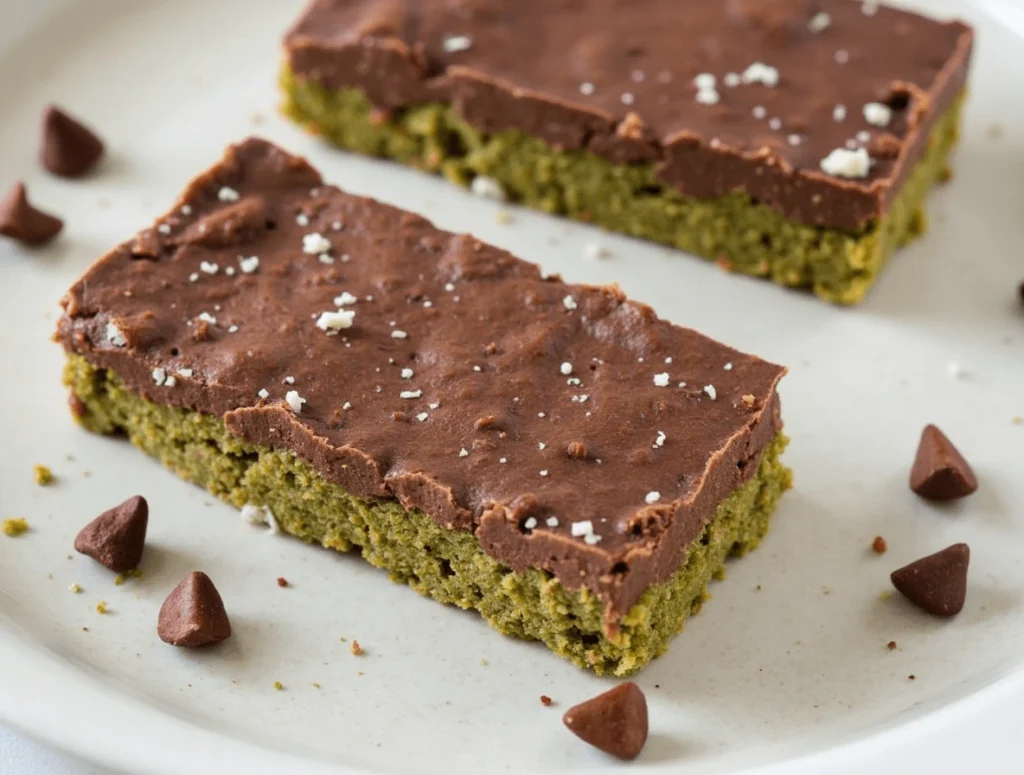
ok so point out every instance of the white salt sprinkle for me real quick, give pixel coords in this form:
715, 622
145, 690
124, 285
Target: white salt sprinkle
775, 124
653, 496
334, 321
502, 459
710, 390
728, 366
185, 372
759, 112
294, 401
186, 210
732, 79
627, 98
759, 72
289, 380
586, 88
315, 243
164, 228
209, 267
660, 441
433, 405
115, 335
411, 394
566, 368
661, 380
877, 114
457, 43
422, 416
227, 194
819, 22
463, 452
208, 318
569, 303
399, 334
551, 521
845, 163
264, 393
194, 277
707, 97
449, 287
249, 265
541, 445
592, 538
407, 373
159, 376
582, 528
544, 472
232, 329
838, 112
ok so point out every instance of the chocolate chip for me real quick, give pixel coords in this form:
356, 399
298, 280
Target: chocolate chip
69, 149
615, 722
193, 614
940, 472
936, 583
116, 537
21, 221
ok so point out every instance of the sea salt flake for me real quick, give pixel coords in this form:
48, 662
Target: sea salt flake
551, 521
209, 267
652, 497
457, 43
422, 416
705, 81
159, 376
582, 528
302, 219
661, 380
207, 318
569, 303
264, 393
249, 265
565, 368
463, 452
759, 72
115, 335
228, 194
411, 394
164, 228
531, 522
315, 243
185, 372
838, 112
399, 334
334, 321
294, 401
586, 88
407, 373
819, 22
711, 392
846, 163
877, 114
591, 539
660, 441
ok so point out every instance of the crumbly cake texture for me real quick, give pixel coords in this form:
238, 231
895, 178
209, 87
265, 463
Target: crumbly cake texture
555, 429
447, 565
795, 141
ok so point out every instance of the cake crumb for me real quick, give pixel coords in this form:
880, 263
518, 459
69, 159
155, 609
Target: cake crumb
484, 662
545, 701
121, 578
279, 686
43, 475
356, 649
879, 545
75, 587
101, 607
15, 527
315, 685
85, 629
891, 645
282, 581
912, 677
503, 217
885, 594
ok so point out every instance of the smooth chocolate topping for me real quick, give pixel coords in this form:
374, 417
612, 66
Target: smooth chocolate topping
940, 472
723, 95
615, 721
117, 536
193, 614
21, 221
465, 384
69, 148
937, 584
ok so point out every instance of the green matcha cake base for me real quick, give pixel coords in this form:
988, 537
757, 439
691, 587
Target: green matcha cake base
447, 565
738, 233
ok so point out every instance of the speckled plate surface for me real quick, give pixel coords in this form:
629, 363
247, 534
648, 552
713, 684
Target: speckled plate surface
789, 660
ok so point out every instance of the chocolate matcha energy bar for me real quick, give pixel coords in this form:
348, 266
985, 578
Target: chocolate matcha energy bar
552, 455
788, 139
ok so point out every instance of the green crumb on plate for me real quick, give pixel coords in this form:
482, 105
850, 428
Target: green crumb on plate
15, 527
44, 475
75, 587
278, 686
101, 607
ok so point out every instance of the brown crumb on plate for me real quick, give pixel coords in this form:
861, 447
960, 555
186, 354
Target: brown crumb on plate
879, 545
891, 645
282, 581
356, 649
545, 701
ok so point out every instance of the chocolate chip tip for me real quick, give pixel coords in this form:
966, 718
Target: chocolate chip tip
614, 722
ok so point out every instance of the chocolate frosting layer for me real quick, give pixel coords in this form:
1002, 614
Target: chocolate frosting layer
722, 95
571, 429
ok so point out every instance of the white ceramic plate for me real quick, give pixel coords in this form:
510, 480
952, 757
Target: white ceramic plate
797, 669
